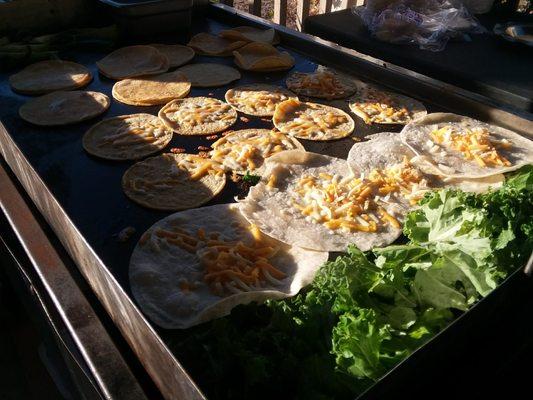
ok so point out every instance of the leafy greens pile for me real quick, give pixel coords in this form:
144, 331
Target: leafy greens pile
366, 312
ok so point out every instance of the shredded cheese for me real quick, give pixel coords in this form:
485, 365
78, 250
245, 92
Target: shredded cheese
378, 107
474, 144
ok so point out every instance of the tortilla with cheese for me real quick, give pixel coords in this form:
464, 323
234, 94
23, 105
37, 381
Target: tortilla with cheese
312, 121
323, 83
462, 147
246, 150
316, 202
173, 181
262, 57
258, 99
197, 265
198, 116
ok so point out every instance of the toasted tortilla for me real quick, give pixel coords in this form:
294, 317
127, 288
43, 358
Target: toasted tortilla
176, 54
258, 100
444, 160
131, 61
173, 181
246, 150
262, 57
210, 45
152, 90
376, 106
127, 137
270, 205
312, 121
209, 74
198, 116
49, 76
323, 83
251, 34
386, 149
169, 283
63, 108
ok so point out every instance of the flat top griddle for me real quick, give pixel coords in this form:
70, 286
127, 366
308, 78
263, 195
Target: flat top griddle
89, 194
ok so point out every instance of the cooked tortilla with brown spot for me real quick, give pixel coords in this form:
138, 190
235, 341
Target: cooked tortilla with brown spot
251, 34
176, 54
173, 181
323, 83
312, 121
152, 90
258, 99
211, 45
49, 76
262, 57
127, 137
246, 150
63, 108
279, 210
209, 74
376, 106
198, 116
170, 281
131, 61
497, 150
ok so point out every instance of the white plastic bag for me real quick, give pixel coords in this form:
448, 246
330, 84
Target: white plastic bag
427, 23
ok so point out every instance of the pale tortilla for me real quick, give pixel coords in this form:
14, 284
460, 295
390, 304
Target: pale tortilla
152, 90
386, 149
50, 76
131, 61
159, 270
198, 116
127, 137
209, 74
251, 34
261, 143
176, 54
312, 121
63, 108
259, 99
164, 182
338, 86
452, 163
211, 45
262, 57
362, 103
271, 208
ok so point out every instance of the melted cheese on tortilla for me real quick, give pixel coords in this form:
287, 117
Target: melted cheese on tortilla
378, 107
252, 101
474, 144
324, 82
191, 114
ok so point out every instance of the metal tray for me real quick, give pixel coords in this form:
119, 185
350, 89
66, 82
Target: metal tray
81, 196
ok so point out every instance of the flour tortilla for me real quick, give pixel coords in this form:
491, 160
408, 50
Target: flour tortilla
63, 108
157, 269
176, 54
415, 108
262, 57
386, 149
131, 61
209, 74
451, 163
251, 34
211, 45
173, 189
138, 136
152, 90
234, 144
49, 76
346, 84
292, 111
263, 98
271, 209
178, 115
